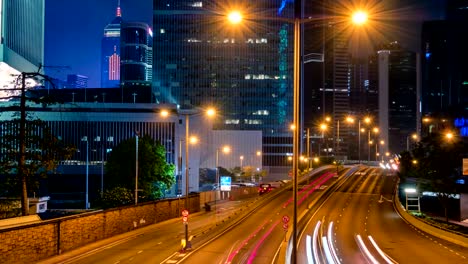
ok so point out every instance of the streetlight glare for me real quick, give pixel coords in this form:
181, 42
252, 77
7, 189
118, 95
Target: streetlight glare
193, 140
449, 136
164, 113
226, 149
235, 17
359, 17
211, 112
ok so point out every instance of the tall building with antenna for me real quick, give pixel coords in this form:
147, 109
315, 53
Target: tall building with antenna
110, 52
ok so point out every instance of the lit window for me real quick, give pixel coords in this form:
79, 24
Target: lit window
162, 31
197, 4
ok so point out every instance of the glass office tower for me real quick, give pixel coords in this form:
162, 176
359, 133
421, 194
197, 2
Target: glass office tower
21, 41
110, 52
243, 70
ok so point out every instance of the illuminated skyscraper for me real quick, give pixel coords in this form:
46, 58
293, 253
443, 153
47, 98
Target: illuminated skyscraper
244, 70
21, 38
110, 62
136, 60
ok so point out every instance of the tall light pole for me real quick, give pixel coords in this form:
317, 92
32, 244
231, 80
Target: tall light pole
236, 17
85, 139
414, 137
137, 134
225, 149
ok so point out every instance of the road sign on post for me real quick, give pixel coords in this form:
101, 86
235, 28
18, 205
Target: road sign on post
185, 214
285, 219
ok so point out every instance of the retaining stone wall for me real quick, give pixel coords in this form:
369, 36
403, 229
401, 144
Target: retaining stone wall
34, 242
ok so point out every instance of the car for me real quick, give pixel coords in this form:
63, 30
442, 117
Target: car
264, 188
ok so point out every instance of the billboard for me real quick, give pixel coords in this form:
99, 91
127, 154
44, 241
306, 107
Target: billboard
225, 183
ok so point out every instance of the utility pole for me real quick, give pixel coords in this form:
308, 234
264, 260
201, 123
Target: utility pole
22, 138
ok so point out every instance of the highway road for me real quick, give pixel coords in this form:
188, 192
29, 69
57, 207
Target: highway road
257, 239
352, 222
252, 236
358, 224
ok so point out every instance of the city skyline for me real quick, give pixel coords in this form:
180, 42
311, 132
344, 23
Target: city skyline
65, 52
65, 55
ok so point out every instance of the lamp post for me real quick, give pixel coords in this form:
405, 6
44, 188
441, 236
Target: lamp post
165, 113
137, 134
85, 139
236, 17
414, 137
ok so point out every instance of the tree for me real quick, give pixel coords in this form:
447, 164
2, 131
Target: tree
155, 175
21, 170
434, 163
42, 153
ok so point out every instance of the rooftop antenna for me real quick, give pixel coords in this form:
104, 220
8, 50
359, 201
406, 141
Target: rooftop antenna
119, 12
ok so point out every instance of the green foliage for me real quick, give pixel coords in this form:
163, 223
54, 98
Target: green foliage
155, 175
434, 163
116, 197
43, 152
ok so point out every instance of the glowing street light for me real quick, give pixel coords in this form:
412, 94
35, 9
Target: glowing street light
360, 17
449, 136
235, 18
188, 139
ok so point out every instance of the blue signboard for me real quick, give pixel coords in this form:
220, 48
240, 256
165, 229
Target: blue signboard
225, 183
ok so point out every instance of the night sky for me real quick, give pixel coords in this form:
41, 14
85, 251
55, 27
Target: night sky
74, 29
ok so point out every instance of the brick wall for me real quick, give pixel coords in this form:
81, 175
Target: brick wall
33, 242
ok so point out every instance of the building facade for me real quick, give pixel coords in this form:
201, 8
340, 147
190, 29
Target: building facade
22, 39
397, 96
77, 81
244, 70
136, 40
110, 53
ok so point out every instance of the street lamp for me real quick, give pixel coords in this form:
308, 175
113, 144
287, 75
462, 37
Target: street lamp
85, 139
236, 17
323, 128
375, 130
188, 140
414, 137
225, 149
98, 139
137, 134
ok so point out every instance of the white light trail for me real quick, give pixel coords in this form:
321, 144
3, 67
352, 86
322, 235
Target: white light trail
365, 250
330, 243
310, 259
327, 250
382, 254
314, 241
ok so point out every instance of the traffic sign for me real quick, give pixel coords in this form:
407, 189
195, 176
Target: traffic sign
184, 219
285, 227
285, 219
185, 212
